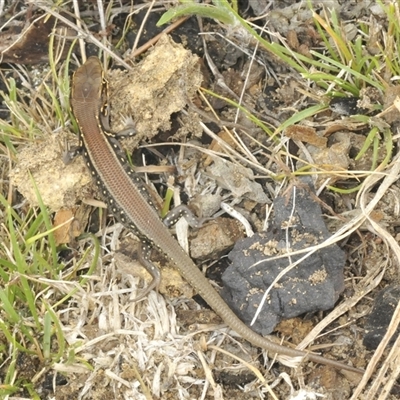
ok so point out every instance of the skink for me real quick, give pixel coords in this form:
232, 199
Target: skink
126, 196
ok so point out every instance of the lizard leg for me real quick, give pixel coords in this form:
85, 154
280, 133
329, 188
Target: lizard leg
70, 153
145, 250
144, 259
128, 130
183, 211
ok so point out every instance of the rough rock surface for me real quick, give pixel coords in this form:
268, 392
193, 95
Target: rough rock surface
314, 284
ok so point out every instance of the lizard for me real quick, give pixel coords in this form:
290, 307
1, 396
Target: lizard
126, 196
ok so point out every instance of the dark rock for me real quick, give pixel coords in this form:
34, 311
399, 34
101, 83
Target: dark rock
379, 319
314, 284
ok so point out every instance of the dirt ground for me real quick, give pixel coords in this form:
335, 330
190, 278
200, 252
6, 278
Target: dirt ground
169, 345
